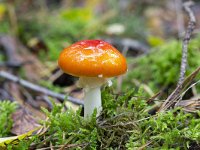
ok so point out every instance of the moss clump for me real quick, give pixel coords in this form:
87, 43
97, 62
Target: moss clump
160, 68
124, 124
173, 129
6, 109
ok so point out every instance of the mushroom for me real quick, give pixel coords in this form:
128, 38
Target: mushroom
94, 62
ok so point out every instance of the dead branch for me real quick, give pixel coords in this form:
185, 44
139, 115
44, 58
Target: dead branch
189, 105
191, 25
174, 95
186, 39
38, 88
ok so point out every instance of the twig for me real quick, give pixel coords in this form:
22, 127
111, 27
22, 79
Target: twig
145, 145
186, 39
38, 88
174, 96
191, 25
183, 93
154, 97
71, 146
65, 146
29, 99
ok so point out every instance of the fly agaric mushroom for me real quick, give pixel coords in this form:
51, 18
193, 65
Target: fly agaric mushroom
94, 61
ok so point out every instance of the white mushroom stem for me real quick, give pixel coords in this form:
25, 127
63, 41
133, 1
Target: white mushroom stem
92, 89
92, 100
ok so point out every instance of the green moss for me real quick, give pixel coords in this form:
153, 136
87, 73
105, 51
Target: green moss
167, 130
161, 67
6, 109
124, 124
69, 127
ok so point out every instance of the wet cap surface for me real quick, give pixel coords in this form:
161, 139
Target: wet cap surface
92, 58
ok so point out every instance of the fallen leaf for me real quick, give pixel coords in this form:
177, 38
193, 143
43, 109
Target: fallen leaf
15, 139
191, 105
23, 122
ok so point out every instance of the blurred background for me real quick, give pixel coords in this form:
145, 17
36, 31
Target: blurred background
147, 32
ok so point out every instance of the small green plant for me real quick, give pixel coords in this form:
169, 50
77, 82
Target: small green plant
6, 109
66, 127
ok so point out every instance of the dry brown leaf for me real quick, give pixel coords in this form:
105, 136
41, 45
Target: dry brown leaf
23, 122
191, 105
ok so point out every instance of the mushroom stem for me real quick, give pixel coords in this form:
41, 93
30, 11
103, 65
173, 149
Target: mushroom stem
92, 101
92, 89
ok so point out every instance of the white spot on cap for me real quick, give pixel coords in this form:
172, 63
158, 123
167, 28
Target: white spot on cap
100, 76
100, 44
90, 47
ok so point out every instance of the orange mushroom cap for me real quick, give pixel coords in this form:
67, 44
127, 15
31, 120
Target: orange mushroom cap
92, 58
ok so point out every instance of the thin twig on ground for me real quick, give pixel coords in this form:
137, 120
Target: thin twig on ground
37, 88
186, 83
186, 39
191, 25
